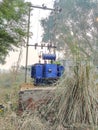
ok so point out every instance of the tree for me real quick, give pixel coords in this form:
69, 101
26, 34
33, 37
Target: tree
76, 28
13, 25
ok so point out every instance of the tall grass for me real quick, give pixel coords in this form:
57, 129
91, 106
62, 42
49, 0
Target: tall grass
74, 106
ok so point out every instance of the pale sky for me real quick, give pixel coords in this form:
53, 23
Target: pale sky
36, 29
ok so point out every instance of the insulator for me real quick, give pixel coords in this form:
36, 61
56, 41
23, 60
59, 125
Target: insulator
48, 46
41, 46
36, 44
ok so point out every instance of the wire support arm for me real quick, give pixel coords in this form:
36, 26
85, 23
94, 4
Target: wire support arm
46, 8
42, 46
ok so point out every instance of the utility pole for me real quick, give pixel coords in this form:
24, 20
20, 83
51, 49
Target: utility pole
28, 30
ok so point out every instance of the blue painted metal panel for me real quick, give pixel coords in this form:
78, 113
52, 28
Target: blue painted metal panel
50, 71
32, 71
49, 56
38, 71
60, 69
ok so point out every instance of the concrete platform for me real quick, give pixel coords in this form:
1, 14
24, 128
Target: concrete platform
31, 98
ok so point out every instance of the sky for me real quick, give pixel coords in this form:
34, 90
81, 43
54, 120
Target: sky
36, 29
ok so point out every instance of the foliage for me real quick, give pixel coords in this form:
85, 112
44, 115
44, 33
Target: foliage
76, 28
13, 22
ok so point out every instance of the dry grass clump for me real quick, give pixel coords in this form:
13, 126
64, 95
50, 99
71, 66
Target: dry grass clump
27, 121
9, 120
30, 121
75, 104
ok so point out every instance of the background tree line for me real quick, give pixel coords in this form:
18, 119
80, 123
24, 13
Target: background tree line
76, 28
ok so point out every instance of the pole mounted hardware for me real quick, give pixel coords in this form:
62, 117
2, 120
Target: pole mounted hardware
28, 29
43, 46
44, 7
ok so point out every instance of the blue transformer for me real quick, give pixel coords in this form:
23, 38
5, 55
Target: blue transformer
46, 73
50, 71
